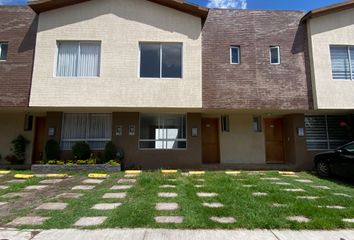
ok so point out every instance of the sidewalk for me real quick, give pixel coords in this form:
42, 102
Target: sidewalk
163, 234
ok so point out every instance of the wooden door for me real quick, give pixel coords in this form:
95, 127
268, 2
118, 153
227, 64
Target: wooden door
274, 140
210, 140
39, 138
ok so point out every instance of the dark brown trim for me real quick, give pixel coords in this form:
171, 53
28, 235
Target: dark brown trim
329, 9
45, 5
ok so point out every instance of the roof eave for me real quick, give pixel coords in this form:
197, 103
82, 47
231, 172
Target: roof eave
328, 10
40, 6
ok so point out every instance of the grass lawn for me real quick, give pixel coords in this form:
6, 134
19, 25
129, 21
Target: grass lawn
234, 192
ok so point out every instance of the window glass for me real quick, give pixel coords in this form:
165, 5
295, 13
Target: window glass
162, 131
341, 62
235, 55
172, 60
95, 129
78, 59
327, 132
274, 55
150, 60
3, 51
160, 60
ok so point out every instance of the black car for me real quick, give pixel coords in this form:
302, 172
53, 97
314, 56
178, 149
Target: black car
337, 162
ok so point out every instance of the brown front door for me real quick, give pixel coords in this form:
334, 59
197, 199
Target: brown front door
39, 138
274, 140
210, 140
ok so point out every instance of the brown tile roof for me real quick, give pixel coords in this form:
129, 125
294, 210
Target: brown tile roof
181, 5
329, 9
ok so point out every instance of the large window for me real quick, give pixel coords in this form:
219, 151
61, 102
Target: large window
162, 131
342, 58
160, 60
3, 51
327, 132
274, 52
78, 59
93, 128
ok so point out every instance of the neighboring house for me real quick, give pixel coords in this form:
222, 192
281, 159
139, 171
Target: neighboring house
331, 49
176, 85
17, 41
129, 71
255, 81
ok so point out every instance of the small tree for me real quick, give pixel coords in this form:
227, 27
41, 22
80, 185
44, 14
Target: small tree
19, 145
52, 150
81, 151
110, 151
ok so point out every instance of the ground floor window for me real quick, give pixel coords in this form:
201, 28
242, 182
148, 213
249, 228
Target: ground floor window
93, 128
162, 131
327, 132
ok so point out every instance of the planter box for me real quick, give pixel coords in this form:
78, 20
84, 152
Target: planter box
39, 168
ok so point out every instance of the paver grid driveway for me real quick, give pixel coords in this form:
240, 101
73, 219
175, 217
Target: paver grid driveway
253, 200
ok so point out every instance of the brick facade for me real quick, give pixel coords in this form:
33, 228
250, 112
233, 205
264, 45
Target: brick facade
18, 26
255, 83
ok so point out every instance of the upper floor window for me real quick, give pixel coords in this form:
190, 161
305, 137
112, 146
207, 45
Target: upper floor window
78, 59
3, 51
160, 60
342, 58
235, 55
274, 54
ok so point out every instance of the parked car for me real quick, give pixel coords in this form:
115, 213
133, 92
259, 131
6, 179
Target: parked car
337, 162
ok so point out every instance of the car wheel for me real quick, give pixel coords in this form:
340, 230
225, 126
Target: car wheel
323, 168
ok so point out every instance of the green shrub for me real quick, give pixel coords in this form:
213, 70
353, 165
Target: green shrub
110, 151
60, 163
19, 145
81, 150
52, 162
81, 162
52, 149
113, 162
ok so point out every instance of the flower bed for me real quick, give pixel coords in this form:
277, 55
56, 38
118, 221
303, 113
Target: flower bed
46, 168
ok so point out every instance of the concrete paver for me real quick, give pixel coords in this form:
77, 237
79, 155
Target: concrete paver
52, 206
89, 221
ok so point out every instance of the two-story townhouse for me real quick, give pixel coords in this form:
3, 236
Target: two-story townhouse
331, 50
129, 71
17, 41
256, 89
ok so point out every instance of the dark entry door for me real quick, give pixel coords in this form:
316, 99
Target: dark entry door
39, 138
274, 140
210, 140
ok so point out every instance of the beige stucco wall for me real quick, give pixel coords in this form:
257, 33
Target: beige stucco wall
242, 144
120, 25
333, 29
11, 125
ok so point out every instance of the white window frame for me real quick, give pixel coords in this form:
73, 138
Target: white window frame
160, 44
238, 55
351, 64
79, 42
85, 139
3, 43
164, 140
270, 54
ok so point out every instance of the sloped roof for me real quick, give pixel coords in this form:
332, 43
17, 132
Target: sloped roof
329, 9
45, 5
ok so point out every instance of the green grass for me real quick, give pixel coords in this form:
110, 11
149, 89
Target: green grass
138, 208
